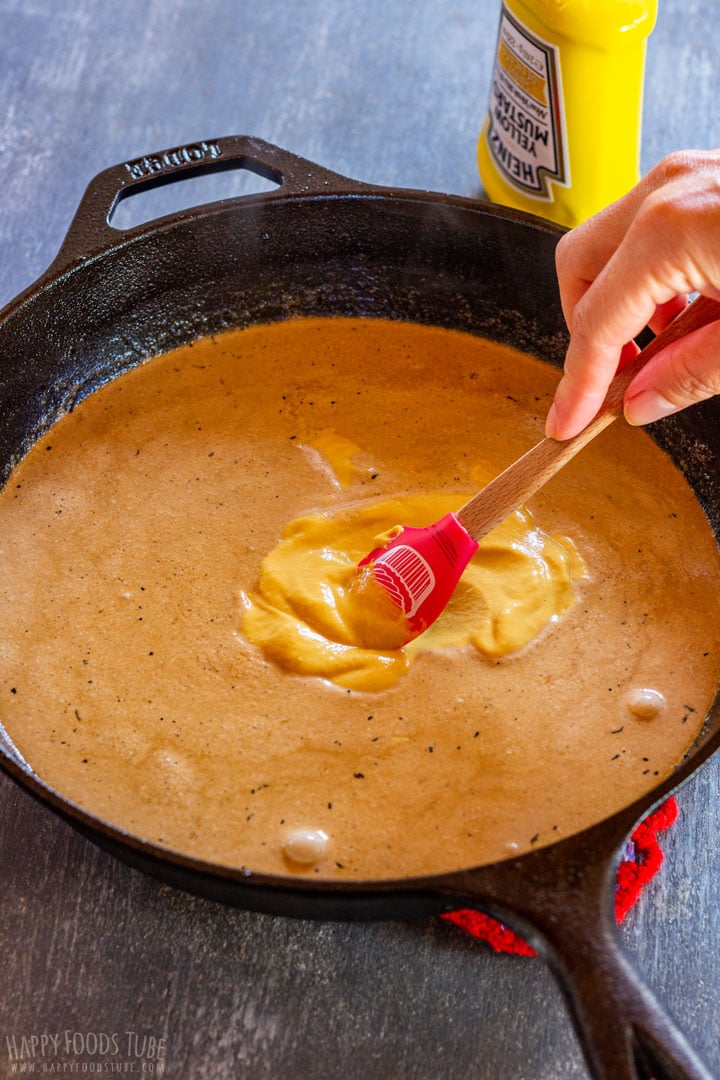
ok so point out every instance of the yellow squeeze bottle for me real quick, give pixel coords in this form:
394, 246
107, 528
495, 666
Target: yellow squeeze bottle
562, 134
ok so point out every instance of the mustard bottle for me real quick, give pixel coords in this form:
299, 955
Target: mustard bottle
562, 135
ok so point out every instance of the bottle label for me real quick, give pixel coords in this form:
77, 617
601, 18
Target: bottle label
526, 129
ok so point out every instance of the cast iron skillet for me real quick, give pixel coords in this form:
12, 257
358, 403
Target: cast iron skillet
323, 244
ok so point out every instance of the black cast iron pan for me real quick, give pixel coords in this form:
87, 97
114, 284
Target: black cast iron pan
323, 244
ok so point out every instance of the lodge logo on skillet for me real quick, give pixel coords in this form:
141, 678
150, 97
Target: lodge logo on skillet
153, 164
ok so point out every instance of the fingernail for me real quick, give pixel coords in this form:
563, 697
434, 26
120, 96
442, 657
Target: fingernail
551, 422
646, 407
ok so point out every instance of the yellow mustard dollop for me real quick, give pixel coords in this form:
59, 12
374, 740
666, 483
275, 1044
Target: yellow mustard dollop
339, 454
310, 613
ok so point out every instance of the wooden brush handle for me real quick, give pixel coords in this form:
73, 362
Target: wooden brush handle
524, 477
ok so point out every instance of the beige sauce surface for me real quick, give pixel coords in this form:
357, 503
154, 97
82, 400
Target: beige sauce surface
133, 532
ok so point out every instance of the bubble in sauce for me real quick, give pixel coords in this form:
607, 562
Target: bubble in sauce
174, 770
645, 703
305, 846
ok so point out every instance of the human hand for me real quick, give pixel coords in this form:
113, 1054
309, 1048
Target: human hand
632, 265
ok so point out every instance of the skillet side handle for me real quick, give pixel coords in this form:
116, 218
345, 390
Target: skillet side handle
90, 232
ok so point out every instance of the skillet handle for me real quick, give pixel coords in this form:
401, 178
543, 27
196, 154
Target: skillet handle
90, 232
563, 908
624, 1031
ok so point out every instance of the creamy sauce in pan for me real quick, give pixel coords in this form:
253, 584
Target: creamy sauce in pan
133, 534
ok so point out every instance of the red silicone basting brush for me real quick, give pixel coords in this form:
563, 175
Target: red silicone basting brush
419, 568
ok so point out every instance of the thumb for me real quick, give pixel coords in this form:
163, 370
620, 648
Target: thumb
683, 373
